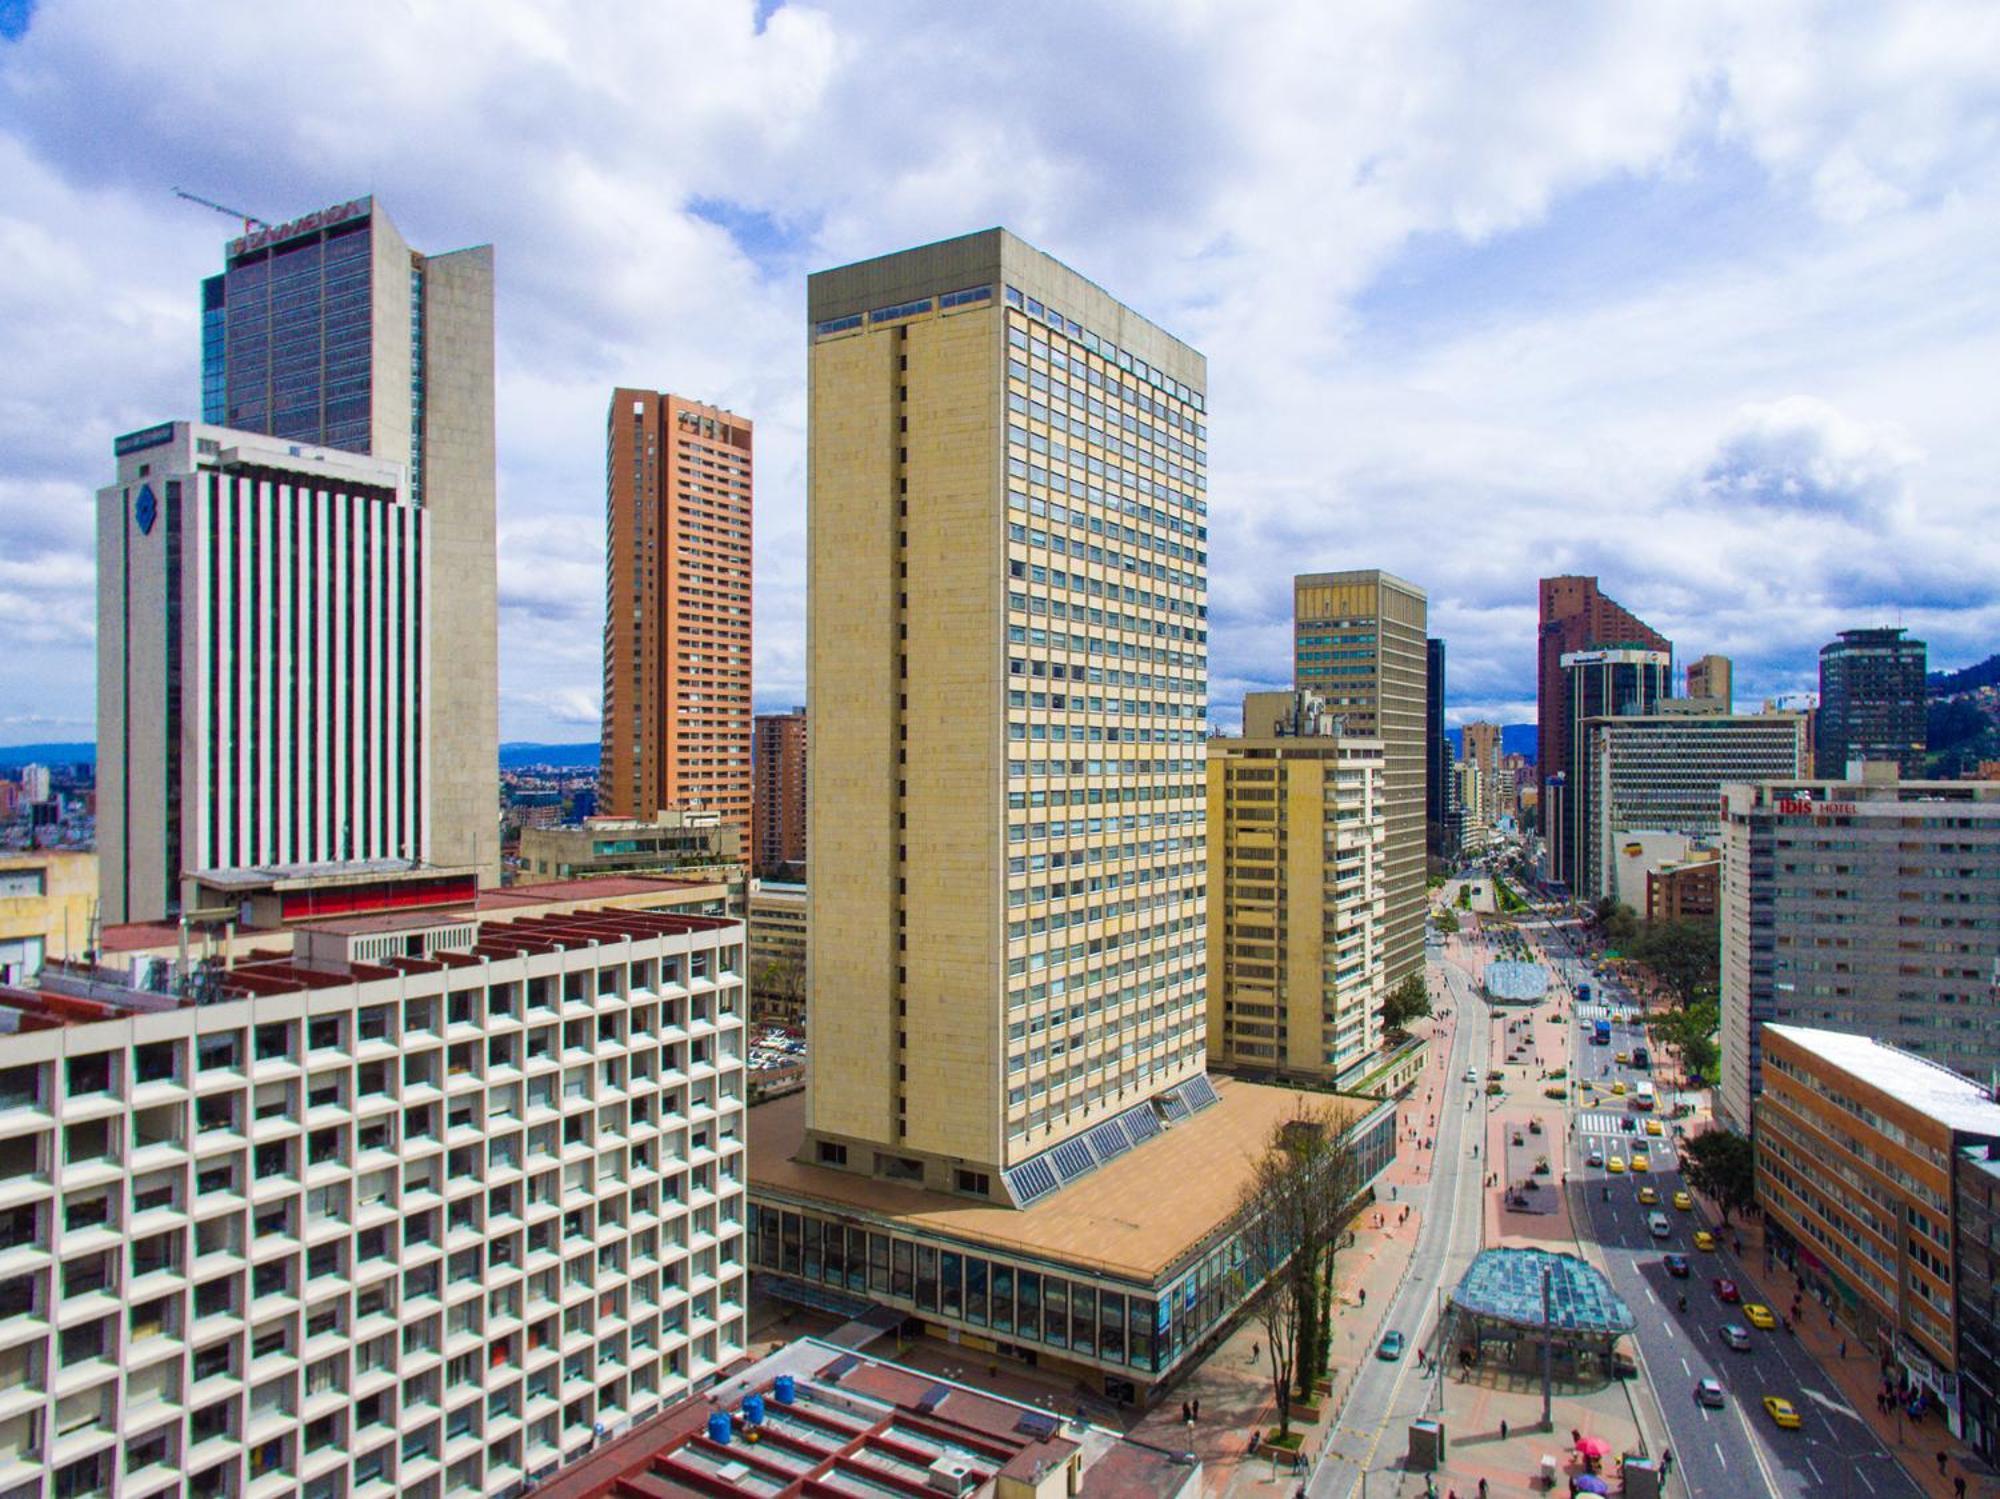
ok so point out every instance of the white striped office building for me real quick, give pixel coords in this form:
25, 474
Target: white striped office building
263, 678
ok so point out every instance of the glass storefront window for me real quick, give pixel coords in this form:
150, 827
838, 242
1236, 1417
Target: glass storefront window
899, 1271
1083, 1319
950, 1300
1111, 1327
975, 1291
1140, 1334
1028, 1286
1003, 1298
1055, 1309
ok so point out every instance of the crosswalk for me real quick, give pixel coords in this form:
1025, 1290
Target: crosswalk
1594, 1012
1599, 1124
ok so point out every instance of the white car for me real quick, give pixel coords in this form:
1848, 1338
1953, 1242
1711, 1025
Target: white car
1472, 1074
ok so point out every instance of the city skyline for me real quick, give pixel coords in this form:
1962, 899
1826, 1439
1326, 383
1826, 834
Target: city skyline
1680, 327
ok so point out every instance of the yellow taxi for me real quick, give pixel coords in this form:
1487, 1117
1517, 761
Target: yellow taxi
1703, 1239
1615, 1165
1623, 1059
1782, 1412
1653, 1128
1618, 1089
1648, 1198
1759, 1316
1684, 1202
1640, 1161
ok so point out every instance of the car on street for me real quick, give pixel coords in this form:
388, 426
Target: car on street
1595, 1158
1390, 1348
1654, 1127
1677, 1266
1657, 1225
1703, 1239
1618, 1088
1640, 1160
1736, 1336
1471, 1075
1648, 1198
1616, 1165
1708, 1392
1782, 1412
1623, 1059
1684, 1202
1759, 1316
1627, 1125
1726, 1291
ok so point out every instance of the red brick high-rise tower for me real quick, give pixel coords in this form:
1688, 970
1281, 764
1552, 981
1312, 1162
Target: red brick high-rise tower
1574, 617
778, 803
677, 499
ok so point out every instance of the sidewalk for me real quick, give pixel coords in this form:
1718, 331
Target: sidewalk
1235, 1392
1857, 1376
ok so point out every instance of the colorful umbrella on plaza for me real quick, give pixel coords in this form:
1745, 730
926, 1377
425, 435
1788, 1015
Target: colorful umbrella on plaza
1590, 1483
1593, 1446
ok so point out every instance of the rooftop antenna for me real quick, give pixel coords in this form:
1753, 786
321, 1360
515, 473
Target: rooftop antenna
250, 221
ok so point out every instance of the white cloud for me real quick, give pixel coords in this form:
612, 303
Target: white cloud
1823, 327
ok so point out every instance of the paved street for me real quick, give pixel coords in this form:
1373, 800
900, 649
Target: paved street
1736, 1449
1385, 1397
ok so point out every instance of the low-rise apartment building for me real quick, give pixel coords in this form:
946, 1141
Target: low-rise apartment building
1857, 1150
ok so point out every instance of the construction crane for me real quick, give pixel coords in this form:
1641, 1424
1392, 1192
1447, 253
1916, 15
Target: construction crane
250, 221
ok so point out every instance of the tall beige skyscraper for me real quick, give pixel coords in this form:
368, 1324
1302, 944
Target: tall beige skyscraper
1295, 904
1359, 642
1482, 748
1710, 676
1008, 677
331, 330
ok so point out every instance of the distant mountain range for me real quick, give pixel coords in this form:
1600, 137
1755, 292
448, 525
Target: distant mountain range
1515, 739
1985, 674
517, 753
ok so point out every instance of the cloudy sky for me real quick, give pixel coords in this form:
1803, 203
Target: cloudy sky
1700, 298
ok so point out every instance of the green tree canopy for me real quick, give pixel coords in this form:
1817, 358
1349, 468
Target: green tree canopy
1409, 1000
1687, 955
1721, 1164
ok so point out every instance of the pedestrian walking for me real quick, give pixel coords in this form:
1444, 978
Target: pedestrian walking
1503, 1429
1944, 1458
1197, 1410
1482, 1489
1253, 1352
1843, 1348
1666, 1461
1187, 1414
1958, 1486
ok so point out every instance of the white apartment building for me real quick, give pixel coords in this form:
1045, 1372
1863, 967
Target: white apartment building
264, 681
421, 1210
1663, 772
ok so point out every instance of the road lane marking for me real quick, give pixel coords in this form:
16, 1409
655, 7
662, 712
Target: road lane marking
1829, 1402
1864, 1480
1685, 1369
1815, 1473
1720, 1458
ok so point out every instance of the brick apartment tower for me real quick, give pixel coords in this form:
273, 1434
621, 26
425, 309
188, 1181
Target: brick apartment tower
778, 800
1574, 617
677, 494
